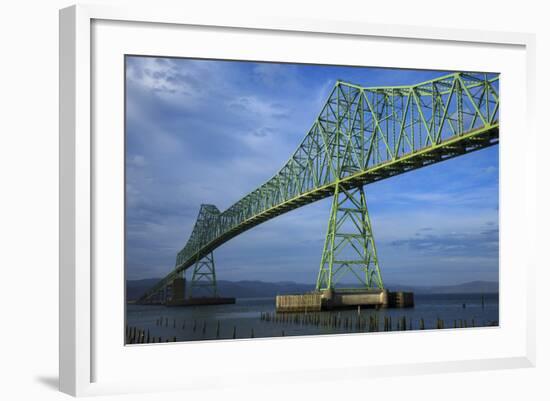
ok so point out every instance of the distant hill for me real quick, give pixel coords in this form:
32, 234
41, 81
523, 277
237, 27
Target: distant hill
477, 287
256, 289
136, 288
237, 289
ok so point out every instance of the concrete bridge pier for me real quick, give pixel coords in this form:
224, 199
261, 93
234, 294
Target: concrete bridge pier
331, 299
338, 299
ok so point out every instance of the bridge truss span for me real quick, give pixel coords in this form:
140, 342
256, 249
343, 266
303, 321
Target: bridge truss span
361, 135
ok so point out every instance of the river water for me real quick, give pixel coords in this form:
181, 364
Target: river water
254, 317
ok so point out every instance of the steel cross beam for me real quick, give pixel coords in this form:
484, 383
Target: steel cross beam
361, 135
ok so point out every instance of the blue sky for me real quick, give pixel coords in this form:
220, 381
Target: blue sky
201, 131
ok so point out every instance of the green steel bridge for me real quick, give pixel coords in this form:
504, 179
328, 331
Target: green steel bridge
361, 135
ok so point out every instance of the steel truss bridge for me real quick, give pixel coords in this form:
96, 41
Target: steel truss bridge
361, 135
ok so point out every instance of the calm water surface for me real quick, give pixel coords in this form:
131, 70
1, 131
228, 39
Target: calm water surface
243, 319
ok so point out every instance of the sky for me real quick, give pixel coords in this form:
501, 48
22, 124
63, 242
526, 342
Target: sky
208, 131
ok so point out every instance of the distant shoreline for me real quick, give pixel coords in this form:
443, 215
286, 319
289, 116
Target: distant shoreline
261, 289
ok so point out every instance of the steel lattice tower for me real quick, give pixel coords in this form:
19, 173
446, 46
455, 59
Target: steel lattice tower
204, 277
349, 249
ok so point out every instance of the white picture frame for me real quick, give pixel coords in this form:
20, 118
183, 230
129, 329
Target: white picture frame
82, 346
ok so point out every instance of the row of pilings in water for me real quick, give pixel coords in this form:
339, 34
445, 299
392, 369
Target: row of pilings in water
371, 323
135, 335
201, 327
336, 321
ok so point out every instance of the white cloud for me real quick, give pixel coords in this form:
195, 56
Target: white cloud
137, 161
174, 81
323, 93
275, 75
257, 107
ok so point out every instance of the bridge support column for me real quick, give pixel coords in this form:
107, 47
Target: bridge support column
203, 282
177, 296
349, 251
